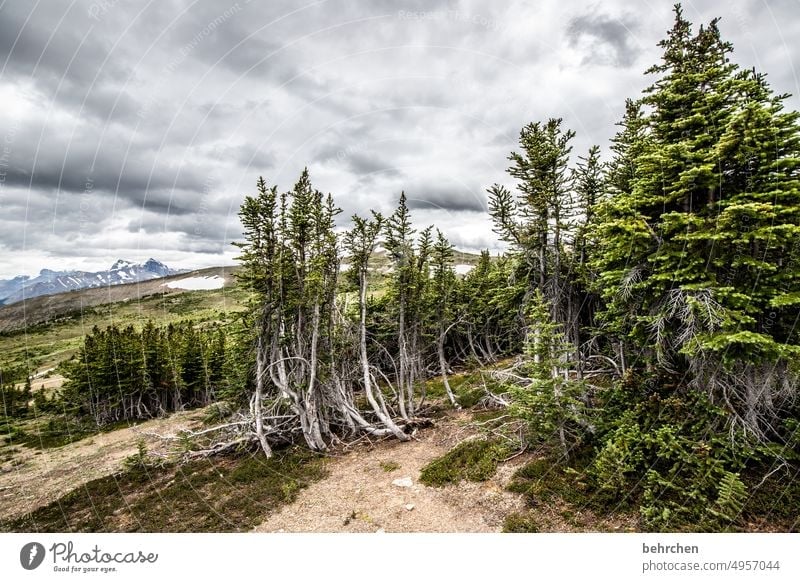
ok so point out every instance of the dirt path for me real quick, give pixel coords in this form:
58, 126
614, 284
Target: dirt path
359, 494
33, 478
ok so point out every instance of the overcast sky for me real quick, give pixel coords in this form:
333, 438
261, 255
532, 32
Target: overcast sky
131, 129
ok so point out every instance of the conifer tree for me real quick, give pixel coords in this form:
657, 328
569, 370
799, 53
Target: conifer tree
589, 184
360, 243
399, 243
549, 400
536, 220
291, 259
443, 290
618, 237
697, 232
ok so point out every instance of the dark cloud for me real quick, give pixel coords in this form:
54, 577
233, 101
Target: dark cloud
452, 199
39, 219
254, 157
370, 163
86, 161
608, 40
131, 128
99, 104
355, 150
52, 40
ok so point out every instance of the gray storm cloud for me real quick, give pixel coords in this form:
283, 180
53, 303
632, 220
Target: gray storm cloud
134, 130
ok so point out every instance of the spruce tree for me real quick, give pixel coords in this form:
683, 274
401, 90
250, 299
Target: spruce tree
589, 186
536, 220
548, 399
399, 244
360, 242
694, 242
442, 291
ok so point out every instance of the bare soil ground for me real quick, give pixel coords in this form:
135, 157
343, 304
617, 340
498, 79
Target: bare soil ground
52, 382
369, 487
359, 494
31, 478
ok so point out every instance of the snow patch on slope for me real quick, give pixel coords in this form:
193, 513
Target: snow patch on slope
196, 283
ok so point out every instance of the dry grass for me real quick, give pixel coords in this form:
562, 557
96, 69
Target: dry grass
31, 478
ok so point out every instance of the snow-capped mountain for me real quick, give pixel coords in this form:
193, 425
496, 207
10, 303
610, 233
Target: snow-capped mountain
10, 286
50, 282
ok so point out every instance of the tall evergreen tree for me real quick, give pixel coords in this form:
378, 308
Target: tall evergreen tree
589, 184
535, 221
694, 237
360, 243
399, 243
443, 291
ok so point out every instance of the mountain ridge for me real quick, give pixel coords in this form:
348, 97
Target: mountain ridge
51, 282
49, 308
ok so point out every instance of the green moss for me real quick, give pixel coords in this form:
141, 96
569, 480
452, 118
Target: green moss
777, 497
471, 397
434, 388
210, 495
473, 460
520, 523
389, 466
542, 480
464, 387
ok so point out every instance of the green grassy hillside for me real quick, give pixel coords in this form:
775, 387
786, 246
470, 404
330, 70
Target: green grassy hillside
46, 330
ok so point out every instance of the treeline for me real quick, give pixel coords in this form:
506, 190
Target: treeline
126, 374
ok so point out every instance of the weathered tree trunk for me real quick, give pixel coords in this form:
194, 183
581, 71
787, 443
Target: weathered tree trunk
310, 407
443, 365
471, 342
258, 399
403, 364
378, 408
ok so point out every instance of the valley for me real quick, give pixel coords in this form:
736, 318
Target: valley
46, 330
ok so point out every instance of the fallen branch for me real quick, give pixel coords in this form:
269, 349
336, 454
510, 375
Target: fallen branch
220, 448
515, 455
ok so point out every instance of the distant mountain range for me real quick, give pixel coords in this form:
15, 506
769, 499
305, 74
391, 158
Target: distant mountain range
50, 282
